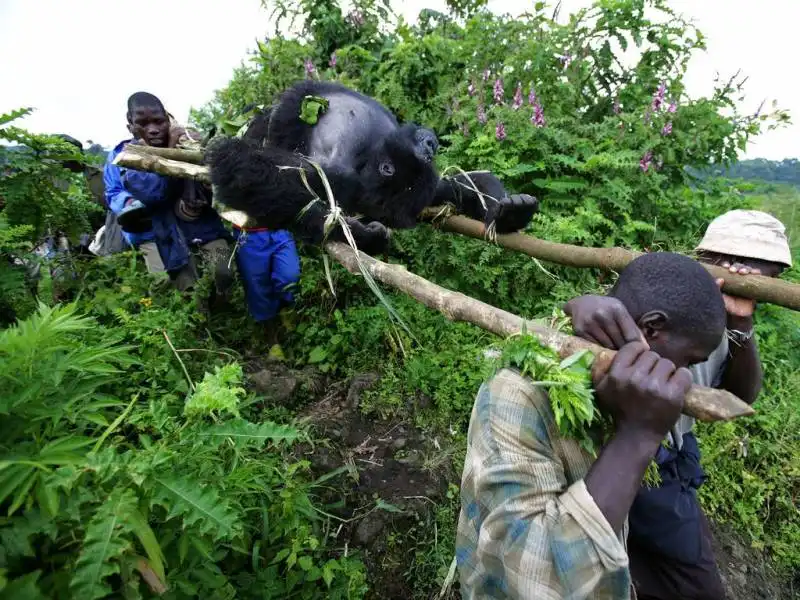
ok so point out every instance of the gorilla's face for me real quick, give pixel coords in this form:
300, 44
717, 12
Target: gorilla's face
399, 178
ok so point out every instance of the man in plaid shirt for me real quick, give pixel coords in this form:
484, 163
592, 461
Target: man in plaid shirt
541, 518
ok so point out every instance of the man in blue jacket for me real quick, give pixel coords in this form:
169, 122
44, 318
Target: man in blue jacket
174, 216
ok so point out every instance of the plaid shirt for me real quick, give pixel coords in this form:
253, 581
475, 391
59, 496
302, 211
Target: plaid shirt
528, 528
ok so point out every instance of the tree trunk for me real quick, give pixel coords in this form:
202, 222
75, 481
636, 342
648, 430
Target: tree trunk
705, 404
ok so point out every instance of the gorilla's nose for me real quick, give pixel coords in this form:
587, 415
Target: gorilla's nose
427, 144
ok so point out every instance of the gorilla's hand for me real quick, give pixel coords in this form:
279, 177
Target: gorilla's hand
512, 213
372, 238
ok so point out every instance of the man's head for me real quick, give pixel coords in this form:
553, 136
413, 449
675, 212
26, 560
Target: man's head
147, 119
749, 237
72, 165
676, 303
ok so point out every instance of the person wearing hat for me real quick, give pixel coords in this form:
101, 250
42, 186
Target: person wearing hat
669, 540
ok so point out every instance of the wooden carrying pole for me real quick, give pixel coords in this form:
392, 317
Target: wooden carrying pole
144, 158
757, 287
705, 404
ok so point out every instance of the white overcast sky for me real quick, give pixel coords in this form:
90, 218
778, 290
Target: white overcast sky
77, 61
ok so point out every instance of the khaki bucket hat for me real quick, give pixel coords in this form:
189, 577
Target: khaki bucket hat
749, 234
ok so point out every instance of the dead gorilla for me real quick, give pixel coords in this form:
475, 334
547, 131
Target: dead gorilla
376, 167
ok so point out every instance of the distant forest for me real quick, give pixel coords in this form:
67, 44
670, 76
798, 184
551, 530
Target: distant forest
784, 171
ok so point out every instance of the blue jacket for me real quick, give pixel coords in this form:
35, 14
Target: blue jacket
172, 236
150, 189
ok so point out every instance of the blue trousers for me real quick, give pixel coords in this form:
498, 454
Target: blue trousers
269, 267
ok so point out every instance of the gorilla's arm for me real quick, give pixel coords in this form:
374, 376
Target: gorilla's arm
372, 237
510, 213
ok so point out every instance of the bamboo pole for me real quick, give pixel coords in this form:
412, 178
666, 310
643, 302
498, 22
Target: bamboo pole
756, 287
705, 404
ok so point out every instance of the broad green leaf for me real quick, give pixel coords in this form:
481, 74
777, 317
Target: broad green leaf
198, 505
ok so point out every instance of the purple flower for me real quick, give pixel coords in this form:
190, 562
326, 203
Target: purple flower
532, 97
565, 59
644, 164
616, 106
332, 61
310, 69
486, 74
517, 96
471, 89
647, 116
499, 92
667, 129
658, 98
537, 118
481, 114
672, 107
500, 132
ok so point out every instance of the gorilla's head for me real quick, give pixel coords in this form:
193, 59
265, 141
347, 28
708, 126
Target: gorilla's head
399, 178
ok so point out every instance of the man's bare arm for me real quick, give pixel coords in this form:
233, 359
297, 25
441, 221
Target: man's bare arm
645, 394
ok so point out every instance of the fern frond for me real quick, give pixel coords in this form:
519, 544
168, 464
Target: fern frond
6, 118
198, 505
105, 541
21, 470
47, 369
243, 433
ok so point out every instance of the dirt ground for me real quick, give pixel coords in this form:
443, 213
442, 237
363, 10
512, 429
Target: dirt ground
398, 477
746, 573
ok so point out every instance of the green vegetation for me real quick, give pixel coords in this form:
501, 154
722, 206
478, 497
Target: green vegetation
786, 171
136, 453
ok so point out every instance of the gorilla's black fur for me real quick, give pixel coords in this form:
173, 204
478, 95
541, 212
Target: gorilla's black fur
377, 169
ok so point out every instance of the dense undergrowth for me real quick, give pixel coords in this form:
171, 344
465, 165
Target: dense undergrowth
132, 458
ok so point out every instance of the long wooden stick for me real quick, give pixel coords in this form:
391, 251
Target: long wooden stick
194, 157
757, 287
705, 404
143, 159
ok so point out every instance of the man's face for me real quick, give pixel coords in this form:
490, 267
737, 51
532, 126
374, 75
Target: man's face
767, 268
682, 349
150, 124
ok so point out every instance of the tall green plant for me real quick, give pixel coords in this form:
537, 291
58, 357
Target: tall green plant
102, 497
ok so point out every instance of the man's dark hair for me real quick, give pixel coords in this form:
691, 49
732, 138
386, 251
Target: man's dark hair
69, 139
679, 287
143, 99
74, 166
